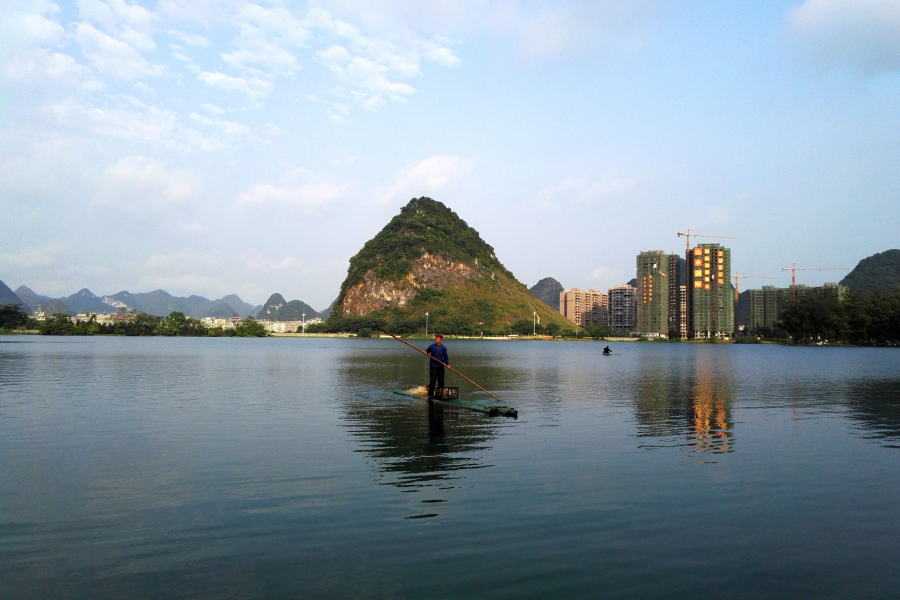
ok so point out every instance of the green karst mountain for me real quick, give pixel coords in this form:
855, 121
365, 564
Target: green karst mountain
428, 259
547, 290
877, 273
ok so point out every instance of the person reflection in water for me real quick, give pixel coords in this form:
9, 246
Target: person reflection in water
436, 431
438, 353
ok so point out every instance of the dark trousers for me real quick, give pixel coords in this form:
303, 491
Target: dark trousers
437, 375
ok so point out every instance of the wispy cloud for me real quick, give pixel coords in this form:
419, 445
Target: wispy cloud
140, 185
299, 190
435, 173
861, 33
586, 190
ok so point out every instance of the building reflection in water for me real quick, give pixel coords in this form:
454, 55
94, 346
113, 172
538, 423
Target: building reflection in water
685, 400
875, 407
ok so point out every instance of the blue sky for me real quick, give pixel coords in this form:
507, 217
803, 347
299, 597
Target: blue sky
209, 147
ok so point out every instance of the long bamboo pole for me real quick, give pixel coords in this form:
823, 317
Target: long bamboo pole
440, 361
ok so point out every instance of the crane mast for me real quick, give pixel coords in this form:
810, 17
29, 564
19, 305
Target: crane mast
794, 268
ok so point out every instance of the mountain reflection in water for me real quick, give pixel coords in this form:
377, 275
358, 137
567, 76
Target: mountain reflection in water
410, 442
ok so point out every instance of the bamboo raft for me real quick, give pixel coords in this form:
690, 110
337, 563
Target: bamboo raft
488, 409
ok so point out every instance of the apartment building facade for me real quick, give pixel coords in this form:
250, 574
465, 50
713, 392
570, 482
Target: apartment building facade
711, 302
623, 308
584, 307
653, 293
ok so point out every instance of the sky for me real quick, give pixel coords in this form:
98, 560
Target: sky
214, 147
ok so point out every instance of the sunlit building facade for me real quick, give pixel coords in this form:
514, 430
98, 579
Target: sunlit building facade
711, 302
584, 307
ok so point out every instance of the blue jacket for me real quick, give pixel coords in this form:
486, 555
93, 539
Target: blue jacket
440, 353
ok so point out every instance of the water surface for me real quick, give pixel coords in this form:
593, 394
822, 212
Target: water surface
273, 468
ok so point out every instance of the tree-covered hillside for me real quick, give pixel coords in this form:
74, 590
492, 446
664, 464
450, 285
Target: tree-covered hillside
547, 290
877, 273
461, 285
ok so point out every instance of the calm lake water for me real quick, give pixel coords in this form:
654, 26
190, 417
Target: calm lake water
285, 468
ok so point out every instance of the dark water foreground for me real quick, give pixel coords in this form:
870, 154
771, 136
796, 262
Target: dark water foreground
282, 468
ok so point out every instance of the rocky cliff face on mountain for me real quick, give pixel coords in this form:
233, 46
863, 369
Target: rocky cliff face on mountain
427, 259
547, 290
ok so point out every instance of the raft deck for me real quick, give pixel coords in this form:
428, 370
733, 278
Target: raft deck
489, 409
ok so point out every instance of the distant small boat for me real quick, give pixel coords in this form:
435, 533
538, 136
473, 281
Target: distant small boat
489, 409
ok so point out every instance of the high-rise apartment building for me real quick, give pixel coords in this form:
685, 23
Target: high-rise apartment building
584, 307
765, 308
711, 310
653, 292
622, 308
682, 312
676, 282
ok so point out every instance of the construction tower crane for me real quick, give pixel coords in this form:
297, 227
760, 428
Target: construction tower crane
737, 296
688, 235
794, 268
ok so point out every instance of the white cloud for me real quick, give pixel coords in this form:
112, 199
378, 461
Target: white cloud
431, 175
253, 88
226, 127
373, 68
264, 38
138, 184
26, 39
134, 122
212, 108
299, 190
862, 33
113, 56
33, 257
536, 29
30, 29
582, 190
190, 39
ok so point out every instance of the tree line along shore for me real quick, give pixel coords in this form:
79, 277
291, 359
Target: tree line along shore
866, 320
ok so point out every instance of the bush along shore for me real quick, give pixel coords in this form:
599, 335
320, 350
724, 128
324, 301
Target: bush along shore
14, 318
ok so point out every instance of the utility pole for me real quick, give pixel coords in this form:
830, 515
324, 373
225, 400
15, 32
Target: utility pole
426, 323
794, 268
533, 323
304, 322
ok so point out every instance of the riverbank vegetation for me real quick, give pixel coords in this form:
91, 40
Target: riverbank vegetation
13, 318
867, 320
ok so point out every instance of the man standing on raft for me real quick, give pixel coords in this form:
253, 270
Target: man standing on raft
437, 351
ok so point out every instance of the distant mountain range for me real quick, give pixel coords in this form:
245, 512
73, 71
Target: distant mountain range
158, 302
277, 309
7, 296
